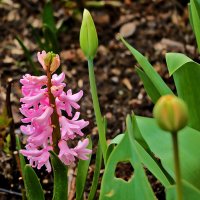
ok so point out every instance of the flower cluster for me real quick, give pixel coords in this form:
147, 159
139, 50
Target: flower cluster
38, 110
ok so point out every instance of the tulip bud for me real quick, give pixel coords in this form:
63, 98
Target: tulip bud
88, 36
52, 60
171, 113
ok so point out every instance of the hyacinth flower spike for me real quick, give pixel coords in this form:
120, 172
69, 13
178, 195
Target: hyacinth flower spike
50, 116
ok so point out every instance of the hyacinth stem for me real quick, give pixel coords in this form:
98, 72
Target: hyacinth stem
177, 166
97, 111
54, 117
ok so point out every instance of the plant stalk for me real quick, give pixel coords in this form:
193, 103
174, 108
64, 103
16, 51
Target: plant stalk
97, 111
177, 166
54, 117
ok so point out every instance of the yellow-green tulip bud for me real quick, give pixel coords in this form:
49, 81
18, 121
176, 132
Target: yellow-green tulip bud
88, 36
171, 113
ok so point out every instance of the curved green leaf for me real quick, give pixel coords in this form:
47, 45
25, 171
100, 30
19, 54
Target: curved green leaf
33, 187
195, 15
21, 157
137, 187
148, 85
156, 80
48, 17
189, 192
186, 75
160, 144
82, 171
60, 178
95, 179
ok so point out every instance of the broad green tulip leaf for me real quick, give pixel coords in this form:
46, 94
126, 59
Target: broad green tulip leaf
186, 75
148, 158
113, 143
195, 14
137, 134
117, 187
151, 165
82, 171
60, 190
95, 179
33, 187
189, 192
148, 85
160, 143
156, 80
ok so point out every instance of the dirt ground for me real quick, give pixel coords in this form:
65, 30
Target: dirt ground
152, 27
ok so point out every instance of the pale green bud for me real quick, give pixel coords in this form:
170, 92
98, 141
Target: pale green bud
88, 36
171, 113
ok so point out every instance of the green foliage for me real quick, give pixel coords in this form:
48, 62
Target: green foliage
186, 75
4, 124
117, 188
98, 163
33, 187
60, 190
27, 53
189, 192
82, 171
21, 157
161, 145
152, 78
194, 13
48, 41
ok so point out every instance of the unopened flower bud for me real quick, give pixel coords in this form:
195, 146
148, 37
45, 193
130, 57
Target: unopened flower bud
52, 60
171, 113
88, 36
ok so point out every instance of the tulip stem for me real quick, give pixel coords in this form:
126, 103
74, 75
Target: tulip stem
177, 166
97, 111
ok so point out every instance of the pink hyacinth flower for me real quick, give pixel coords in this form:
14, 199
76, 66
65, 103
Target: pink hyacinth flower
37, 112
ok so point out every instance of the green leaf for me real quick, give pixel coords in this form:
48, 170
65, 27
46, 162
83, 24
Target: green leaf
37, 38
190, 16
95, 179
48, 17
28, 57
195, 15
189, 192
160, 143
186, 75
156, 80
113, 143
117, 187
21, 157
151, 165
82, 171
33, 187
51, 43
148, 85
60, 190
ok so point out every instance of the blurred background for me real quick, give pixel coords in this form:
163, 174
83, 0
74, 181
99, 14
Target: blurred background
26, 27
